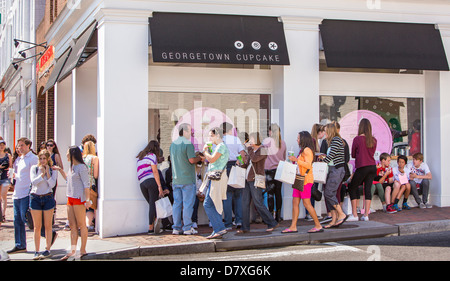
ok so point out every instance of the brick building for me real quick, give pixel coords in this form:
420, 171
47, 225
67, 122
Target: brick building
45, 100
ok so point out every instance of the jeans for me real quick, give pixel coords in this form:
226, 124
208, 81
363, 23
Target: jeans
214, 217
20, 208
249, 193
234, 197
183, 205
424, 187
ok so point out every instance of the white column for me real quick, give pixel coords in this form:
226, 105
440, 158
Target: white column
122, 121
300, 84
436, 128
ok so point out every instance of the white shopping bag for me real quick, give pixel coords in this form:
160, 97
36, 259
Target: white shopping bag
286, 172
163, 208
237, 177
320, 172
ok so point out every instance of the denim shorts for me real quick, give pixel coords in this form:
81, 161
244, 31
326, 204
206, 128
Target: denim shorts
42, 202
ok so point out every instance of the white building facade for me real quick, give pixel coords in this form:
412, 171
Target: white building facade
112, 86
19, 19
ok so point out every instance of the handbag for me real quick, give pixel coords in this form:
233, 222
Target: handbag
286, 172
260, 180
320, 171
163, 208
93, 196
300, 181
237, 177
315, 192
215, 175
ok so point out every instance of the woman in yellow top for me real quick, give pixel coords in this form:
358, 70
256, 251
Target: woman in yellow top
304, 162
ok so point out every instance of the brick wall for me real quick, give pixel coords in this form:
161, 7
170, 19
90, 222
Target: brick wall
45, 101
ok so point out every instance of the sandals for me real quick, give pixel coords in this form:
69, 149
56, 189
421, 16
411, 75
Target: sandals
315, 230
287, 230
217, 235
272, 228
341, 221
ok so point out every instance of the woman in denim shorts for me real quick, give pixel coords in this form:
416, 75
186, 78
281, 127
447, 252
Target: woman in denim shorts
42, 203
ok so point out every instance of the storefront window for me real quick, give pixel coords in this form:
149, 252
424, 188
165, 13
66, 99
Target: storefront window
247, 112
396, 122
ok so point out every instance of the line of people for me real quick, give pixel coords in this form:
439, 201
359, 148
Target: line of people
260, 157
33, 176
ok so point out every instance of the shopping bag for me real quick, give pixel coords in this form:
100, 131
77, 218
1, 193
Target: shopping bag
286, 172
163, 208
320, 172
237, 177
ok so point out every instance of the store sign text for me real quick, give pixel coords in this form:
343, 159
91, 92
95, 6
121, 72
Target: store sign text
219, 57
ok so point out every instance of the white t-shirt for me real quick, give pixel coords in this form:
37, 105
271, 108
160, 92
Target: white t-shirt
398, 175
22, 168
234, 146
421, 171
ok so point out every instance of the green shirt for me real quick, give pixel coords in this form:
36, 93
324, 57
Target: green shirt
222, 161
183, 172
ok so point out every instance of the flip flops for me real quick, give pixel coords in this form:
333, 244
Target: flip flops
287, 230
315, 230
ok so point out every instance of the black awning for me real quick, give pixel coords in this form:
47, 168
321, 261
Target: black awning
227, 39
60, 62
366, 44
78, 51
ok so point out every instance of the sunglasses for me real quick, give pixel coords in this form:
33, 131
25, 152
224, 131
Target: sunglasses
50, 144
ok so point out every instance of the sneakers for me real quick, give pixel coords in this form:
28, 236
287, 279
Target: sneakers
45, 254
390, 209
396, 208
191, 231
422, 206
352, 218
36, 256
326, 219
364, 218
429, 206
405, 206
176, 232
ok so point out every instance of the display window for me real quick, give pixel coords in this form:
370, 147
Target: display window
396, 122
203, 111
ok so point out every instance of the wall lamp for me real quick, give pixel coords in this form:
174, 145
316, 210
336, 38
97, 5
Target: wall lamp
23, 52
16, 63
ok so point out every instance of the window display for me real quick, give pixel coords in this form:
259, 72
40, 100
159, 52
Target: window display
396, 122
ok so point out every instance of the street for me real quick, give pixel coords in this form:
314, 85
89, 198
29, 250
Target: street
422, 247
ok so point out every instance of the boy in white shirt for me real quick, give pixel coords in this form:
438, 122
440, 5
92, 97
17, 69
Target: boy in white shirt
401, 179
420, 176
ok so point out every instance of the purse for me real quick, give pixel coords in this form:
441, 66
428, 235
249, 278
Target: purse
93, 196
315, 192
215, 175
300, 181
260, 180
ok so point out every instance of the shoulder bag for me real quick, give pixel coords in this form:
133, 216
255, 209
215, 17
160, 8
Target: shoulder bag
299, 181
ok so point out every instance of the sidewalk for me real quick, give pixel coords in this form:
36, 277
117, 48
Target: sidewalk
406, 222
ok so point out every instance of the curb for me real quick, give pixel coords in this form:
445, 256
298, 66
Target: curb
423, 227
259, 239
173, 249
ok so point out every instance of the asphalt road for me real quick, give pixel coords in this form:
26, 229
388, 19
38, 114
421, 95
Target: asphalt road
423, 247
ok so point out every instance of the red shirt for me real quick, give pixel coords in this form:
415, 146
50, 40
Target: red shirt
380, 173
